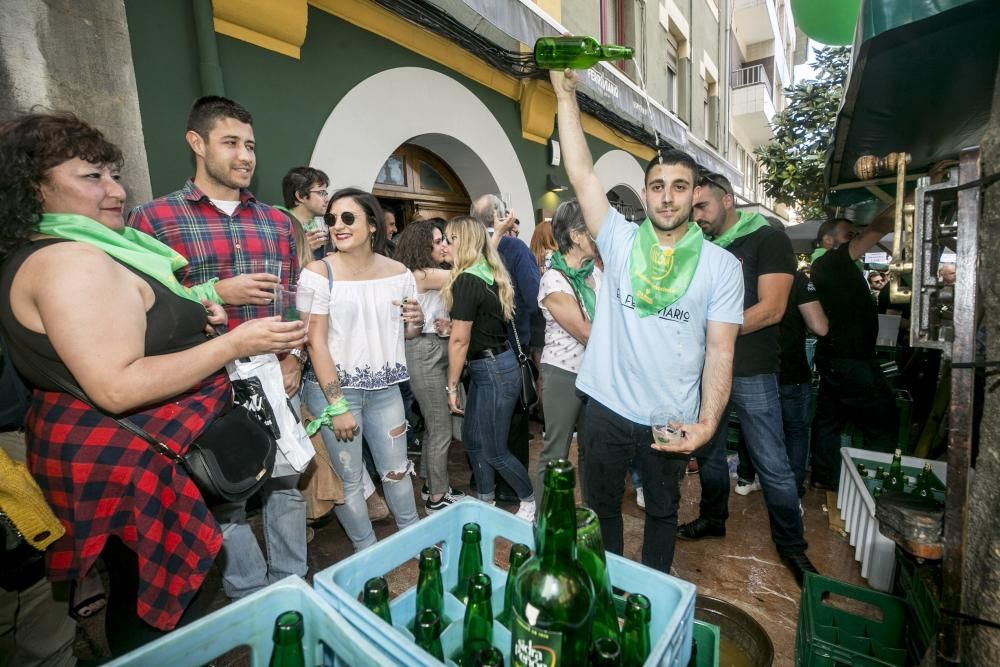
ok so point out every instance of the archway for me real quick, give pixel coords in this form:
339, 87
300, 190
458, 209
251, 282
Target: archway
362, 131
622, 177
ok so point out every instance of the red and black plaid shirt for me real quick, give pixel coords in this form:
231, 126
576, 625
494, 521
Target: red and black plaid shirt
256, 238
101, 480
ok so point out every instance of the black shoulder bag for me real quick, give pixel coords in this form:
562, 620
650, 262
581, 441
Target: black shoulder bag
529, 393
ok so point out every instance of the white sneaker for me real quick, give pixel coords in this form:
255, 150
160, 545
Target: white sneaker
745, 488
640, 499
526, 511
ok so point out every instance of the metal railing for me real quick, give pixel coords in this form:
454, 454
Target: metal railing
751, 76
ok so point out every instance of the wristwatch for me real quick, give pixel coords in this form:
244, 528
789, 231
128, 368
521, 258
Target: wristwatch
300, 355
451, 390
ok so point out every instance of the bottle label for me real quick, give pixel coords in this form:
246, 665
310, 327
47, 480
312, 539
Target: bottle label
534, 647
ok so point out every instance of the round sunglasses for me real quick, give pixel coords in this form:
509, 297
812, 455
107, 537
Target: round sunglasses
346, 217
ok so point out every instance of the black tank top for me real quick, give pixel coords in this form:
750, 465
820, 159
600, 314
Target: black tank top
172, 324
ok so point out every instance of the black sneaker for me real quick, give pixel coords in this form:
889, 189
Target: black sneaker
446, 501
425, 492
700, 528
799, 564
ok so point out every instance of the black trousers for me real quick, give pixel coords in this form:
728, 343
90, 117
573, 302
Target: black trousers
851, 391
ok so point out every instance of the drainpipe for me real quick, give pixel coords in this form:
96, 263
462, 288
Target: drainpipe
209, 69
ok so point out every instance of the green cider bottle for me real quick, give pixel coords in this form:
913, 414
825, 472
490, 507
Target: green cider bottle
605, 652
376, 598
477, 627
430, 586
489, 657
470, 560
590, 552
896, 467
553, 601
635, 633
289, 630
576, 52
519, 555
427, 632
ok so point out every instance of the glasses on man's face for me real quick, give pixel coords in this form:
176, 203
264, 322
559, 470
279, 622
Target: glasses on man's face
346, 217
324, 194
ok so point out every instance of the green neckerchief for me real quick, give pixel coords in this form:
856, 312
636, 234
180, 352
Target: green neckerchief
136, 249
661, 276
819, 252
578, 280
746, 224
481, 269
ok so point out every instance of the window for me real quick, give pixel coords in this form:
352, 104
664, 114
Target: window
671, 72
392, 172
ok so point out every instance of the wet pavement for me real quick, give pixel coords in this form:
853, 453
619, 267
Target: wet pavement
742, 568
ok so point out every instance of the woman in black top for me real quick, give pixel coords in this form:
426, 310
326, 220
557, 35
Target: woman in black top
480, 296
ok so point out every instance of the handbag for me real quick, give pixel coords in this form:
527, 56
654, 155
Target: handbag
228, 462
529, 392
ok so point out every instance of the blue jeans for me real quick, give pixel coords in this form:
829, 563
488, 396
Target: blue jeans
379, 414
244, 569
795, 400
757, 405
613, 443
495, 384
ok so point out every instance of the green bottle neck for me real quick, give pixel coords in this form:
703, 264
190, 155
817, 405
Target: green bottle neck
557, 527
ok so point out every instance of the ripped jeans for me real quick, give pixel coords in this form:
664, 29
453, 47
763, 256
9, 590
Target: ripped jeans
380, 417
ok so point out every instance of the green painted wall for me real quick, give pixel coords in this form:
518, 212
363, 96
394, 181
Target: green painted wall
289, 99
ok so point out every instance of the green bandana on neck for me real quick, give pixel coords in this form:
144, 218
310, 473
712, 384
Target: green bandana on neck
661, 276
130, 246
481, 269
746, 224
578, 280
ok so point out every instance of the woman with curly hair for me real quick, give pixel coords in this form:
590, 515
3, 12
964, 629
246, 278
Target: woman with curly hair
92, 303
424, 250
480, 296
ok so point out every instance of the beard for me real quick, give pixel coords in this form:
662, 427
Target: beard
222, 175
672, 224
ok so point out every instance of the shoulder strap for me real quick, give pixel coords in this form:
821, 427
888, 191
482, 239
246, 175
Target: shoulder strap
329, 273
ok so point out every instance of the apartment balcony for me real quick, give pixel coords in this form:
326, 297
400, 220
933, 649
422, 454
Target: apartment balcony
755, 21
752, 106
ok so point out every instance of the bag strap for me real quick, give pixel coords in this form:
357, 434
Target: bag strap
77, 393
521, 356
329, 273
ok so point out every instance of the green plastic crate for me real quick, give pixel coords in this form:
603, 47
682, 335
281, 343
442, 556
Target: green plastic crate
828, 636
706, 645
923, 608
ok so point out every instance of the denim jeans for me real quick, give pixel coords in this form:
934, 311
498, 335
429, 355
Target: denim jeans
495, 384
612, 443
850, 390
755, 399
244, 568
378, 413
795, 403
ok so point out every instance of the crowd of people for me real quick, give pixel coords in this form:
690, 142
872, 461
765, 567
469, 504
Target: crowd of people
674, 323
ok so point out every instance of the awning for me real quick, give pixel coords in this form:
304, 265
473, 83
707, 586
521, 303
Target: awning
921, 81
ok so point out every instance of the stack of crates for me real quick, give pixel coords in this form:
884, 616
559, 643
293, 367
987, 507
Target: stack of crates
923, 609
672, 600
867, 631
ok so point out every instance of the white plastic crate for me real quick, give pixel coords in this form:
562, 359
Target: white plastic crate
875, 551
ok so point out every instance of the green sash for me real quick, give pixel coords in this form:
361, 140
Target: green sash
745, 225
661, 276
481, 269
578, 280
130, 246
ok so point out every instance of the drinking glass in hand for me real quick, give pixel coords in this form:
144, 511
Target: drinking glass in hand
442, 323
666, 427
293, 304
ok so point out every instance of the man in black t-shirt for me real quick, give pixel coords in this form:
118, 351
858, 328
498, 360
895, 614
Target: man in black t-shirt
768, 270
852, 387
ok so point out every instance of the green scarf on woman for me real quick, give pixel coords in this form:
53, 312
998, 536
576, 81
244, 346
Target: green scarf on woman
481, 269
578, 280
130, 246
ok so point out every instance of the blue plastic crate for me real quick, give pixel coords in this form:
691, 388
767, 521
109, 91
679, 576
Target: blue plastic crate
329, 639
672, 600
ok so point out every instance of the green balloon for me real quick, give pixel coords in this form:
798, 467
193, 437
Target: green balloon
827, 21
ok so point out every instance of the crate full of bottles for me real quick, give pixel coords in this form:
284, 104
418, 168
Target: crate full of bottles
557, 603
865, 474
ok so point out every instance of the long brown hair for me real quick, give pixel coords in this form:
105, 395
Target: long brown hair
542, 243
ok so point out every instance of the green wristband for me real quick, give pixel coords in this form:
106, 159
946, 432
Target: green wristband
335, 409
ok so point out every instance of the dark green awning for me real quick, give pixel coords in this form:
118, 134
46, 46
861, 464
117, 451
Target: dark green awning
921, 81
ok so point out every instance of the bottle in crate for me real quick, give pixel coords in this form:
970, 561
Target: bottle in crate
430, 587
519, 555
477, 627
553, 595
590, 552
489, 657
427, 632
470, 559
635, 633
289, 629
605, 652
376, 598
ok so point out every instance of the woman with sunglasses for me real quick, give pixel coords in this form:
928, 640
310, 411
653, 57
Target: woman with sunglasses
423, 248
364, 306
480, 296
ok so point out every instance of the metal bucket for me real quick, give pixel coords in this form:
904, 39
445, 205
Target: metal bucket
738, 627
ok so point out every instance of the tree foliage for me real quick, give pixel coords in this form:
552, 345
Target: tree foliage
794, 160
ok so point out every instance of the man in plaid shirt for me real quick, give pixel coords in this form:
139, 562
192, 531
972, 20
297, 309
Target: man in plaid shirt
248, 247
